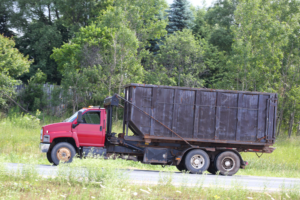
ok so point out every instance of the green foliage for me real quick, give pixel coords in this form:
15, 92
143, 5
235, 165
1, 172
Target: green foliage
146, 18
33, 97
182, 57
99, 46
46, 25
4, 19
37, 42
80, 13
220, 18
201, 29
180, 16
12, 64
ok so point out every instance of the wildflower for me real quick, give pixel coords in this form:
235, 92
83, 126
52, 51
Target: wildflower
217, 197
124, 190
145, 191
48, 190
178, 191
287, 195
134, 193
269, 196
92, 197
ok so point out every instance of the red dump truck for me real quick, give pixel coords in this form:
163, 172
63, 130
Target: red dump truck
194, 129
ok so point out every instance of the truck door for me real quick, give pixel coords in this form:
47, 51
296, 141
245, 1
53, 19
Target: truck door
91, 131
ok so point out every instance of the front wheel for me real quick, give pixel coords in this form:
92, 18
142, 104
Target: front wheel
49, 157
197, 161
62, 152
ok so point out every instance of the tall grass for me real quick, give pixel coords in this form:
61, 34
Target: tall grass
20, 137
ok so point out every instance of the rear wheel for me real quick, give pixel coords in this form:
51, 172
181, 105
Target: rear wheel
62, 152
212, 169
181, 167
49, 157
197, 161
228, 163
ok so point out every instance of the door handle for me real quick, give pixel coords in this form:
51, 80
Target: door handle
100, 128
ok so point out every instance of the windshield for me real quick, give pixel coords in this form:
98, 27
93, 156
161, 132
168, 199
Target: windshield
74, 116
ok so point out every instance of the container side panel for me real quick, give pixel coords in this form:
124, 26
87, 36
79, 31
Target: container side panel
142, 98
247, 117
163, 111
205, 115
262, 114
226, 122
271, 122
184, 104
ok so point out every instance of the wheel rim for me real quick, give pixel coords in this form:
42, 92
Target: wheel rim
228, 163
197, 161
63, 154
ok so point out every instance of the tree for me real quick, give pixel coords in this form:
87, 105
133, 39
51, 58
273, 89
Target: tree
256, 56
33, 97
80, 13
12, 64
180, 16
99, 60
145, 18
4, 19
201, 29
182, 57
45, 25
288, 86
220, 17
38, 42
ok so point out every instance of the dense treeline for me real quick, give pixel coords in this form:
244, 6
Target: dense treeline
91, 48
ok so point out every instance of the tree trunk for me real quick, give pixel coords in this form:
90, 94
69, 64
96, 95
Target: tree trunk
280, 116
292, 120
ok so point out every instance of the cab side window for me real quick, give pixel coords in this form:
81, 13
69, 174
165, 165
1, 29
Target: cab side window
92, 117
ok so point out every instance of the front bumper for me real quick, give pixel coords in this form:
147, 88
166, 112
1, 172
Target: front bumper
44, 147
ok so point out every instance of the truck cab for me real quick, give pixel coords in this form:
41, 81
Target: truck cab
61, 141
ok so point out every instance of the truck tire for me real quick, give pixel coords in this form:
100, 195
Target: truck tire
62, 152
227, 163
212, 168
197, 161
181, 167
49, 157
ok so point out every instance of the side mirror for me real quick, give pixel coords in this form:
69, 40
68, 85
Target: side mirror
79, 117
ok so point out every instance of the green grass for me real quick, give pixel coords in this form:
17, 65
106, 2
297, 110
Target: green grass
109, 183
19, 138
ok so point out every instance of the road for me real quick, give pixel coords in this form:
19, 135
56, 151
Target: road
152, 177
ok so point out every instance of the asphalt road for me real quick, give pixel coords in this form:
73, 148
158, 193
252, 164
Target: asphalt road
178, 179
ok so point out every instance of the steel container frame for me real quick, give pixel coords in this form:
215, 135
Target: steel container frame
200, 115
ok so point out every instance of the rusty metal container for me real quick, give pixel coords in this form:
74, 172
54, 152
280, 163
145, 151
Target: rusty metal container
201, 115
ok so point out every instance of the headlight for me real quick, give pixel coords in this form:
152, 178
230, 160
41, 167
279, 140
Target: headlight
41, 134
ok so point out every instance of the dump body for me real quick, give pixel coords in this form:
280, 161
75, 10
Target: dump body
201, 115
